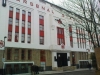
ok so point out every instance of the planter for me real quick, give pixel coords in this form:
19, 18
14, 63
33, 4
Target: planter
97, 72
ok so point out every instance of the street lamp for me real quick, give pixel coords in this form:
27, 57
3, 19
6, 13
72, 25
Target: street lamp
3, 59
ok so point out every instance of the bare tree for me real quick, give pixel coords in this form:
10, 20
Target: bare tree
86, 14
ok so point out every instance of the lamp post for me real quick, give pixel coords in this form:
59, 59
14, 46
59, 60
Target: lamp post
3, 59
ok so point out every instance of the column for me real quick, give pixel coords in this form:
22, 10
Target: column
68, 56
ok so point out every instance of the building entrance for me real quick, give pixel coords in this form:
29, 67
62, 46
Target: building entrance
62, 59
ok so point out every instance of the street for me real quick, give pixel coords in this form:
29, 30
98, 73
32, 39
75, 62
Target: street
87, 72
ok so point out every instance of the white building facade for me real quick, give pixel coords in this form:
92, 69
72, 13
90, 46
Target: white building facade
35, 36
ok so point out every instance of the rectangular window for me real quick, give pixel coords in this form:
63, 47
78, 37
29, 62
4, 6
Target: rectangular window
16, 54
41, 27
23, 38
23, 23
17, 11
16, 37
70, 34
17, 22
8, 54
29, 24
29, 39
29, 13
9, 36
23, 12
23, 54
10, 21
41, 17
10, 8
29, 54
41, 40
60, 36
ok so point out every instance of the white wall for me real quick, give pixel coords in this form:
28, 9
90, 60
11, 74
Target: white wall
49, 23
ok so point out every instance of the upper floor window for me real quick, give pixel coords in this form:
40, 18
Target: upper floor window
10, 8
17, 10
17, 22
23, 38
23, 23
29, 54
29, 24
29, 13
23, 12
41, 40
9, 36
41, 27
41, 17
10, 21
29, 39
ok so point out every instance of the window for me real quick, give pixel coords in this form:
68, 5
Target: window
60, 32
10, 21
29, 39
16, 37
22, 54
23, 38
17, 11
9, 36
23, 23
41, 17
41, 40
29, 54
16, 54
41, 27
17, 22
10, 8
8, 54
23, 12
29, 24
29, 13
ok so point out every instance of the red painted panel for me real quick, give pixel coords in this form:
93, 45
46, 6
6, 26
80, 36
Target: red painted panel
23, 30
17, 16
23, 17
17, 29
42, 55
11, 14
41, 21
29, 31
41, 33
29, 18
10, 28
71, 38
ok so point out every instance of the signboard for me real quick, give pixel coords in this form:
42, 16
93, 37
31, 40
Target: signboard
1, 45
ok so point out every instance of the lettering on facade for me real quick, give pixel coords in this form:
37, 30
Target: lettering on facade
52, 12
48, 10
43, 8
25, 1
31, 3
62, 15
37, 5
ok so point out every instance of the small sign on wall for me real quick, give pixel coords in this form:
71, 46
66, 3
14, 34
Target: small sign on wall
4, 3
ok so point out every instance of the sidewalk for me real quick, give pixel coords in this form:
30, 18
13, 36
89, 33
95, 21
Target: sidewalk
52, 72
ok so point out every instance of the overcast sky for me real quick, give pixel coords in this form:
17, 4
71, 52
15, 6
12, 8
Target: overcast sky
55, 1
